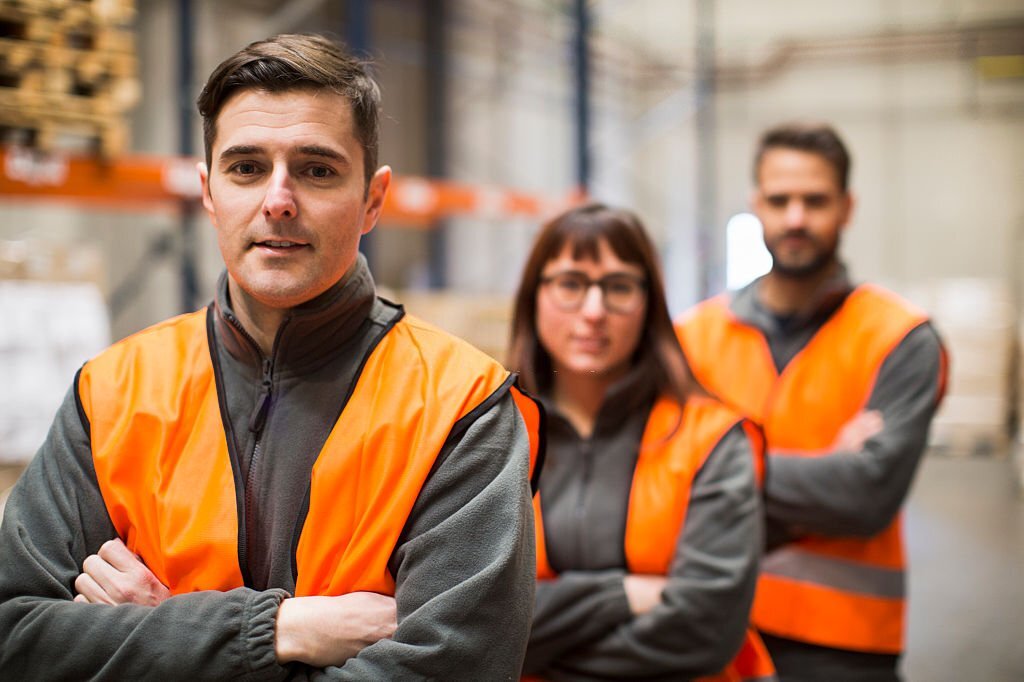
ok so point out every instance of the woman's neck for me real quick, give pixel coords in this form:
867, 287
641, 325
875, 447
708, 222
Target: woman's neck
579, 398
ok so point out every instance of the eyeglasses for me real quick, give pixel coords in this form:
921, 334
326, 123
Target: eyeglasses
620, 292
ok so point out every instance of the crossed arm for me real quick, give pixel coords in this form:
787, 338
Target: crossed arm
57, 622
858, 487
317, 631
616, 625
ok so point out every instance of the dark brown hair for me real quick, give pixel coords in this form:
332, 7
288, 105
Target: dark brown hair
658, 353
296, 62
816, 138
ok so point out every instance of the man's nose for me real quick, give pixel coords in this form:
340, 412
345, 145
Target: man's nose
796, 213
279, 202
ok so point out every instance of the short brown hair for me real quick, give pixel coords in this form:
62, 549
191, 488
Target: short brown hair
658, 352
296, 62
815, 138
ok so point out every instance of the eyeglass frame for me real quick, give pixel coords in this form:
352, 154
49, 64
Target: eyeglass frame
601, 283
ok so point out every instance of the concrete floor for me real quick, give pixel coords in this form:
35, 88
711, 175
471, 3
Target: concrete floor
965, 536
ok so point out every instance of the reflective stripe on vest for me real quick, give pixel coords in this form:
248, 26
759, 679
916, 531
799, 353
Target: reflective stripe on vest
166, 476
844, 593
673, 449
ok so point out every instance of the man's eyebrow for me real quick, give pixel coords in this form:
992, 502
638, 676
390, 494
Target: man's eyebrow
307, 150
241, 150
326, 152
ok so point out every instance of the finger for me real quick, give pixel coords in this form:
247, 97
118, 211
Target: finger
872, 418
81, 599
102, 573
91, 590
115, 553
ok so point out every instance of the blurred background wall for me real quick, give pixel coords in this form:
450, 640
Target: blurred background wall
523, 106
651, 104
929, 95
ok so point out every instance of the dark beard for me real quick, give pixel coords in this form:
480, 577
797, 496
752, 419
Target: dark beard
821, 262
807, 270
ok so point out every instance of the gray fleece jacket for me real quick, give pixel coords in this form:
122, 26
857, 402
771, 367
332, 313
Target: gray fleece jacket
845, 493
848, 494
583, 628
463, 604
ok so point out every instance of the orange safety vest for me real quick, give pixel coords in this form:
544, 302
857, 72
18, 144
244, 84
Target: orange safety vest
845, 593
672, 451
166, 477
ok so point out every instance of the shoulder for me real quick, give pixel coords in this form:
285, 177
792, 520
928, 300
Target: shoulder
877, 302
174, 337
706, 421
714, 307
430, 342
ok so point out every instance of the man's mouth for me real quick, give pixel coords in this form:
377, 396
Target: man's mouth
279, 244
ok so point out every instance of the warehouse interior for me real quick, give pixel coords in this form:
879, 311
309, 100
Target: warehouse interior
499, 114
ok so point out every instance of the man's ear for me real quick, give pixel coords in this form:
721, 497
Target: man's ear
755, 199
204, 180
375, 195
850, 201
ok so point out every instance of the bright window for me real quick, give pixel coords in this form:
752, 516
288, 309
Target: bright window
746, 259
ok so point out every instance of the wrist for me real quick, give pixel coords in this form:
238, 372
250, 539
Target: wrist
287, 642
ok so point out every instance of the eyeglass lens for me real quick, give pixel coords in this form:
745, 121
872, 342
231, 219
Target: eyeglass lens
620, 293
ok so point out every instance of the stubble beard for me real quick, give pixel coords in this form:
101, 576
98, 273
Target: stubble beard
824, 258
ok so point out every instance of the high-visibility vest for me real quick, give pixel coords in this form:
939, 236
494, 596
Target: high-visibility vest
845, 593
175, 497
673, 449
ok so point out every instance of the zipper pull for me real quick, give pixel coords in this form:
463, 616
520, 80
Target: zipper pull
259, 416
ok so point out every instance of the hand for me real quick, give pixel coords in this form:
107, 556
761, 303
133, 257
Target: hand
856, 432
322, 631
116, 576
643, 592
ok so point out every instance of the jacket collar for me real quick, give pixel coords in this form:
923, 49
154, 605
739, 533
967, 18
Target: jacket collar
635, 391
746, 304
312, 332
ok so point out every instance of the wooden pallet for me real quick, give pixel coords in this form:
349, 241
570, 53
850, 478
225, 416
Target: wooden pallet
8, 476
107, 12
67, 69
73, 130
76, 36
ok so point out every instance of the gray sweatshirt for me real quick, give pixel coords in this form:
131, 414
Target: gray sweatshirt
463, 605
849, 494
583, 628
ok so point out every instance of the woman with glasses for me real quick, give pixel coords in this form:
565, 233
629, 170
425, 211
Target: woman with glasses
648, 518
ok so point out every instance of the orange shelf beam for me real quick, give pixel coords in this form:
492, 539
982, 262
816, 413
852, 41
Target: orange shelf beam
138, 182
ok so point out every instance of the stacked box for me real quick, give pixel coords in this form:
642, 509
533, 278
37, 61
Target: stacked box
481, 319
68, 74
976, 318
54, 319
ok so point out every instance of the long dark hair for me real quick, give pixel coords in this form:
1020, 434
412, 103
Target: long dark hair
658, 353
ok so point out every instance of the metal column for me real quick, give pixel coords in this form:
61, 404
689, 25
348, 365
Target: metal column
582, 80
357, 35
710, 240
435, 82
186, 130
